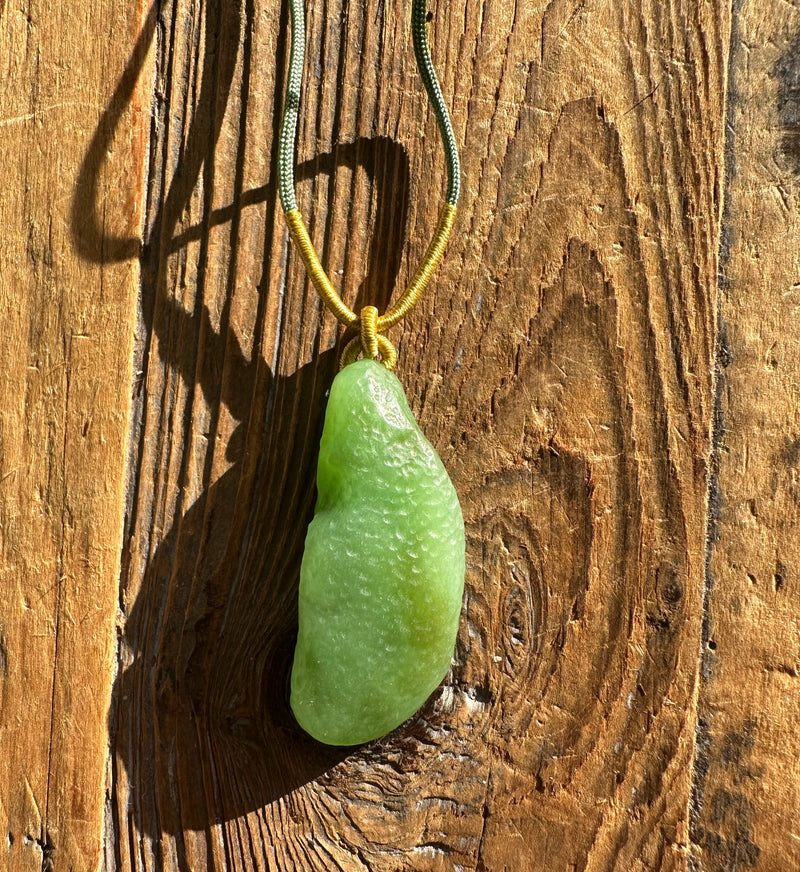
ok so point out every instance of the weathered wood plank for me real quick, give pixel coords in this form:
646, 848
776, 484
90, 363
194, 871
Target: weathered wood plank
66, 339
748, 785
562, 364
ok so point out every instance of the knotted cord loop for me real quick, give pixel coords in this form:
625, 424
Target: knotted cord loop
370, 342
387, 352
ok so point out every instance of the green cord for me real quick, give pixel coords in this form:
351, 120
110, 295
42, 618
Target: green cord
422, 52
291, 106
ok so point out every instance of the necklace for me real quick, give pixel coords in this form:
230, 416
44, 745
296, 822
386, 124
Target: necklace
382, 575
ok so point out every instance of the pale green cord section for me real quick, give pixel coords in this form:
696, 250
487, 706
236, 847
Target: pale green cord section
291, 106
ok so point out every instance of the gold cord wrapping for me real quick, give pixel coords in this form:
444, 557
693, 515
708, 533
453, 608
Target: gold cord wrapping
424, 271
316, 273
369, 331
370, 342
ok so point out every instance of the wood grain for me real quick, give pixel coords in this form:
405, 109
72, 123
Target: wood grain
748, 782
562, 364
66, 338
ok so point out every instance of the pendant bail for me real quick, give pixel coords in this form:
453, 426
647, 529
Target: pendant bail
369, 343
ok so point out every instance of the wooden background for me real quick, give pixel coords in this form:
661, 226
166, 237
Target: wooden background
608, 362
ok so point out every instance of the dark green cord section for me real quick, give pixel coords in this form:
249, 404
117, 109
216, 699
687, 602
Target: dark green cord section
419, 34
288, 134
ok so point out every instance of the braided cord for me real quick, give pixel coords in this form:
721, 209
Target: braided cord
369, 342
291, 107
422, 51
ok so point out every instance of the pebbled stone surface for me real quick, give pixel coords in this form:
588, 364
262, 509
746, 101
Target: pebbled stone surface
383, 568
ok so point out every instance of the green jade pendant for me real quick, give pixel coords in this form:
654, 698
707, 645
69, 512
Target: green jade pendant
382, 575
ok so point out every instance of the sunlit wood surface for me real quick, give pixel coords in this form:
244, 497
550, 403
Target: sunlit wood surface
606, 361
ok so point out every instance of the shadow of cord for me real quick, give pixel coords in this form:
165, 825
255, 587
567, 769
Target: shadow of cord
199, 714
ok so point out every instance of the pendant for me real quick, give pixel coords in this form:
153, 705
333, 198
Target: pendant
382, 576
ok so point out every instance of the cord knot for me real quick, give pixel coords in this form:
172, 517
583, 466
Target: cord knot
368, 319
369, 343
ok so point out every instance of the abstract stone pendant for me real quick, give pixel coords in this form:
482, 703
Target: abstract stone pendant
383, 568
